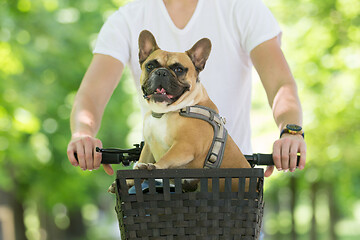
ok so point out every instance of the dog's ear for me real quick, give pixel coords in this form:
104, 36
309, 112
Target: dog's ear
147, 45
199, 53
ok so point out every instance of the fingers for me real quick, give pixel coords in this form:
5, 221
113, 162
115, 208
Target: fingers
269, 171
108, 169
70, 153
89, 152
87, 157
277, 155
302, 156
285, 153
293, 157
80, 155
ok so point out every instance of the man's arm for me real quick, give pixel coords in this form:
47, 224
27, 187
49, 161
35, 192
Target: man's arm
96, 88
281, 91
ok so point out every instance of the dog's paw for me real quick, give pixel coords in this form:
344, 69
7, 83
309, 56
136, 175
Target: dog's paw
112, 188
148, 166
190, 185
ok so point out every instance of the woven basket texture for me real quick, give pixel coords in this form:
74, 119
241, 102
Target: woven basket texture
170, 213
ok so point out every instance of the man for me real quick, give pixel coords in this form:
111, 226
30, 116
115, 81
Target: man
242, 32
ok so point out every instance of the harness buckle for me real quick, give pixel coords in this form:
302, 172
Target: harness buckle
185, 110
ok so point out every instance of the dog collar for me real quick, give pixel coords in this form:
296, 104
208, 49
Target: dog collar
157, 115
217, 148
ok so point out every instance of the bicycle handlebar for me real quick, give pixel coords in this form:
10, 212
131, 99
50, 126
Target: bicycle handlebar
126, 156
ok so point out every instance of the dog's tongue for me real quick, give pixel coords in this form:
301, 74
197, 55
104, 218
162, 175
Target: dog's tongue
163, 91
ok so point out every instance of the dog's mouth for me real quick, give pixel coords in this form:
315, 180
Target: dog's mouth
162, 95
163, 86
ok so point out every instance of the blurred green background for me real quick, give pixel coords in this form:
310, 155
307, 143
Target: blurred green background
45, 48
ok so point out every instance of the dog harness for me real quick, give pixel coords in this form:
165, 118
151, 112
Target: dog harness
217, 148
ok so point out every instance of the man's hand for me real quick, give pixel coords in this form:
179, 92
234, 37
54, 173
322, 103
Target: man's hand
84, 146
285, 152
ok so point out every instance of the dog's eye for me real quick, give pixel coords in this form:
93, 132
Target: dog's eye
150, 67
178, 69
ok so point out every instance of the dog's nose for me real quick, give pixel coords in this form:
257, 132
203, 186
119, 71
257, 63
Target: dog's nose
161, 72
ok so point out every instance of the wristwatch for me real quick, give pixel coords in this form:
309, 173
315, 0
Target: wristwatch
292, 129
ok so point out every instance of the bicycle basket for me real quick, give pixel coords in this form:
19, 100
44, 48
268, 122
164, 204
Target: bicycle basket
204, 214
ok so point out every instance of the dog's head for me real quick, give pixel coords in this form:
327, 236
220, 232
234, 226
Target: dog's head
169, 80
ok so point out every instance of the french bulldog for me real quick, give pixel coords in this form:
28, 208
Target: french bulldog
170, 82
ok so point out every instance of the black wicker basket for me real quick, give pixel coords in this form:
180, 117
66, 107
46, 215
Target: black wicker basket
170, 213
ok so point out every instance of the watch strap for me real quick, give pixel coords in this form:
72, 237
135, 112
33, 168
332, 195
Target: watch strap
286, 130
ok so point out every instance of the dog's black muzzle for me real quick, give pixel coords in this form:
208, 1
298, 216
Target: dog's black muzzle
162, 85
162, 78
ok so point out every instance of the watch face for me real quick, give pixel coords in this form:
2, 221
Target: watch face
293, 127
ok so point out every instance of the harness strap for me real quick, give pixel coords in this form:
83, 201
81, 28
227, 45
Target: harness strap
217, 148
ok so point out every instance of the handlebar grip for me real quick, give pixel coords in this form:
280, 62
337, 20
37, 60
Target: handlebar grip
107, 158
264, 159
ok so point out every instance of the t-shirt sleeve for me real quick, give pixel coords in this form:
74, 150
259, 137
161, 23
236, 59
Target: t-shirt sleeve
113, 39
255, 23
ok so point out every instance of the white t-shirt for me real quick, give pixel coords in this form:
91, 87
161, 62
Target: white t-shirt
234, 27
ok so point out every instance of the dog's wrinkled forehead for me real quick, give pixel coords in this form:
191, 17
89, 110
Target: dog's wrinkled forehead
166, 59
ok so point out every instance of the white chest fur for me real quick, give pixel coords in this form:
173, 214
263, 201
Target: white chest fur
156, 134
